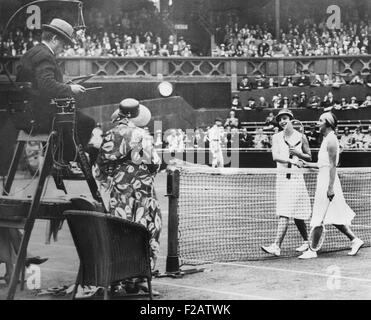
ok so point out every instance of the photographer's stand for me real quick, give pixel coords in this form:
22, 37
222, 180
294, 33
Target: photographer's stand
64, 120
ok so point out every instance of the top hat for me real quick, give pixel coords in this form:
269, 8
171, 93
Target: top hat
130, 108
61, 28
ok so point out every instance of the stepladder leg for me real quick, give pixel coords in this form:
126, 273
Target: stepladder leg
32, 213
13, 167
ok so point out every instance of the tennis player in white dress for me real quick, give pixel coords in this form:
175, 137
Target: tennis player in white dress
292, 198
328, 186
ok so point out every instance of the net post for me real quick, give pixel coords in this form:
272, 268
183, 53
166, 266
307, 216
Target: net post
172, 259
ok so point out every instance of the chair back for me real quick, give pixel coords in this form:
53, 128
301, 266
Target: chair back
110, 249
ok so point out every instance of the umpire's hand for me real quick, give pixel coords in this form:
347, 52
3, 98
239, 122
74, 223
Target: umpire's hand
76, 88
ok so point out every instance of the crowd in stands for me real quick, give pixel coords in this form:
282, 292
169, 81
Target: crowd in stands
260, 137
306, 39
143, 33
139, 34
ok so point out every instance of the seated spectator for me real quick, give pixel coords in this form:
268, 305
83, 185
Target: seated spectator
276, 101
250, 104
303, 80
285, 103
294, 103
270, 121
271, 83
346, 139
244, 84
262, 104
367, 139
367, 102
260, 82
303, 100
287, 82
317, 82
313, 137
246, 139
232, 121
236, 103
327, 80
261, 140
314, 101
357, 139
338, 81
342, 106
328, 102
353, 103
368, 80
357, 79
263, 48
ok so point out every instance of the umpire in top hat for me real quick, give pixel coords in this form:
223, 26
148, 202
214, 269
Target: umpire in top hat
39, 66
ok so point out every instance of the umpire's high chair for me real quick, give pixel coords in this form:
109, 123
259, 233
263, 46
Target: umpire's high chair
19, 213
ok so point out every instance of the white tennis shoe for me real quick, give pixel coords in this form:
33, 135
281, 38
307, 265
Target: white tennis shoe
303, 247
309, 254
357, 243
272, 249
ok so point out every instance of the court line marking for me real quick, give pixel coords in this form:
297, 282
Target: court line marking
247, 266
241, 295
289, 270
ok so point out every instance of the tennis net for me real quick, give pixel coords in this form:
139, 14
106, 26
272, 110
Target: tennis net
227, 214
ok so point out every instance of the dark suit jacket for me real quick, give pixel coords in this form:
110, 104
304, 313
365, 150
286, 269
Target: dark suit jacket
39, 66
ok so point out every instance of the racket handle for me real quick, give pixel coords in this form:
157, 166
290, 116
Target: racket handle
288, 175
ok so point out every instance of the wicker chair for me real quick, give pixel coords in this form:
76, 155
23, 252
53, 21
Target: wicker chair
110, 249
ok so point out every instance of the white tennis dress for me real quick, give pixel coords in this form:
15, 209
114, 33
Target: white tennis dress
338, 212
292, 198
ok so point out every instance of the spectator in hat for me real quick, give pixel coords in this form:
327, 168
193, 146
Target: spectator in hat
338, 81
251, 105
328, 102
367, 102
357, 79
285, 103
357, 138
271, 83
125, 170
294, 103
353, 103
303, 80
327, 81
236, 103
303, 100
232, 121
276, 101
346, 139
342, 106
260, 82
367, 139
314, 101
317, 82
313, 137
262, 104
368, 80
244, 84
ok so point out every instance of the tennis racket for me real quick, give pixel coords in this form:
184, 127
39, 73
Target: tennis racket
298, 126
317, 234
